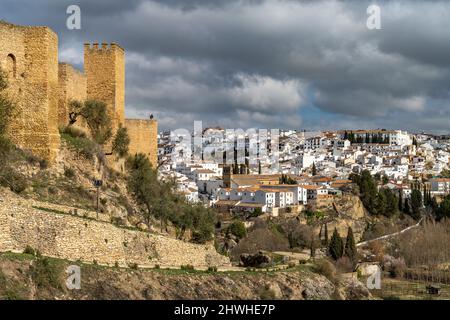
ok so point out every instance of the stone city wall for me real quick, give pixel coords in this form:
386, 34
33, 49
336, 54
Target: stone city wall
75, 238
143, 138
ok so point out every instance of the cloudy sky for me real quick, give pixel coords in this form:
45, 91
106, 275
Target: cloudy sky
268, 63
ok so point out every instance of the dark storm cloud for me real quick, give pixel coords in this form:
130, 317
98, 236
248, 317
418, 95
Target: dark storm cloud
259, 63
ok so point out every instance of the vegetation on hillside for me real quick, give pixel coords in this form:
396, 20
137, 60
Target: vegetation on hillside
95, 114
383, 202
78, 141
121, 142
158, 199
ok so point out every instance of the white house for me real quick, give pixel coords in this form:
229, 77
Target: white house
440, 186
266, 197
203, 174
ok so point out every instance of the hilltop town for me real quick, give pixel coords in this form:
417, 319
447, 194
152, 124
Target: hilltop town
312, 168
279, 214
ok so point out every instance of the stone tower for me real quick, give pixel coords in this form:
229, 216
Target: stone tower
29, 55
104, 67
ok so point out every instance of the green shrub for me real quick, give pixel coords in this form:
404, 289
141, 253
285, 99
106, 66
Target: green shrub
157, 266
267, 294
325, 268
134, 266
212, 269
5, 146
43, 164
187, 267
46, 273
29, 250
30, 157
238, 229
82, 145
303, 261
121, 142
6, 111
16, 181
69, 173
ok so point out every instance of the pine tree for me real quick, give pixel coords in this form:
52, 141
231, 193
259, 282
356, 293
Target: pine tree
336, 247
350, 247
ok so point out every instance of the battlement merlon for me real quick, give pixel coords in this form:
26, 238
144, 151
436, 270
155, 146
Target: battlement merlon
104, 46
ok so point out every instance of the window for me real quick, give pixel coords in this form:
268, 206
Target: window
11, 66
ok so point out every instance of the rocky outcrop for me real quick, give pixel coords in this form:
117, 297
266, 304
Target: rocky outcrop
343, 212
255, 260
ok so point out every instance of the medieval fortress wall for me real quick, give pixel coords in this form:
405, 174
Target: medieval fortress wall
42, 89
72, 86
29, 56
139, 130
75, 238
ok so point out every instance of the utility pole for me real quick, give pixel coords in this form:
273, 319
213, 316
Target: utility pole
98, 184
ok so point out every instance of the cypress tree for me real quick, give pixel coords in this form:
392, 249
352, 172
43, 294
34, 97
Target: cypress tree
336, 247
326, 235
314, 170
400, 201
312, 247
416, 204
350, 247
406, 208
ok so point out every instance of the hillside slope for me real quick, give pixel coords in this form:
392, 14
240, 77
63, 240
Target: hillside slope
22, 277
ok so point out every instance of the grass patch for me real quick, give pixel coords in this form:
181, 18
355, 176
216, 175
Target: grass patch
46, 272
10, 289
80, 144
13, 256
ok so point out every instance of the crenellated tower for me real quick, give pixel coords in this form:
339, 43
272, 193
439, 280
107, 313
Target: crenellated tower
104, 67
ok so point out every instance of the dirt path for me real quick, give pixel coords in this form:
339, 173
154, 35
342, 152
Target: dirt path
390, 235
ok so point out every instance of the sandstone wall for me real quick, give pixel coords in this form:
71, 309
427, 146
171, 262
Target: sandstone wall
104, 66
70, 237
143, 138
72, 86
30, 56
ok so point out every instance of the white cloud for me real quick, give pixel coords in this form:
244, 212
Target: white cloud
71, 55
267, 94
